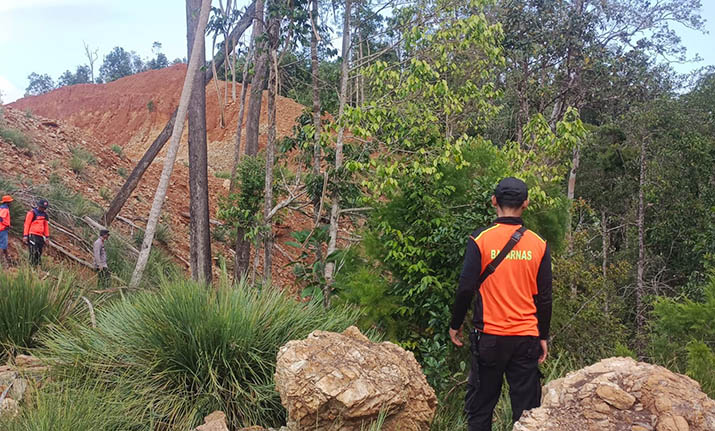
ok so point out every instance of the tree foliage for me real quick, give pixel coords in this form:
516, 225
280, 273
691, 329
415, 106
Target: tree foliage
39, 84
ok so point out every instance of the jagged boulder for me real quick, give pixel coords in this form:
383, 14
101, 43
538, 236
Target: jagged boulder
332, 381
620, 394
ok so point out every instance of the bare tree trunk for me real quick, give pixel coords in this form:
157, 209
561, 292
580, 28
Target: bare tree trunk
604, 261
315, 75
571, 193
335, 209
199, 227
218, 94
133, 180
91, 58
640, 284
239, 127
195, 64
253, 116
255, 99
270, 153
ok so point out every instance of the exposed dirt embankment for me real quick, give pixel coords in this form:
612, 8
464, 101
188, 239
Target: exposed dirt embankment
131, 111
48, 154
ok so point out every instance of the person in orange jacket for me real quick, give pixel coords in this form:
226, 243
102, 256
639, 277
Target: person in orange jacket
5, 225
37, 231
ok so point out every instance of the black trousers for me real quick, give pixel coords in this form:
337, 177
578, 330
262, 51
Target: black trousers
104, 278
36, 244
492, 356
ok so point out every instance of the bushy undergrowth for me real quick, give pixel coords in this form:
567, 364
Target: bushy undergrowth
28, 304
58, 408
186, 350
15, 137
683, 336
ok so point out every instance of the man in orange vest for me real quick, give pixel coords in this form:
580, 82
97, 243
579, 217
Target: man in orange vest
5, 226
512, 313
37, 231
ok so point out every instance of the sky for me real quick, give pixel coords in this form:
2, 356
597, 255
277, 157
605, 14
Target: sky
47, 36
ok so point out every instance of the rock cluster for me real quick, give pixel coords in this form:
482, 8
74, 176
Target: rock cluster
332, 381
620, 394
14, 383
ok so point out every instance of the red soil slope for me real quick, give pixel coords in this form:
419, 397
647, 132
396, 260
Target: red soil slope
49, 154
131, 111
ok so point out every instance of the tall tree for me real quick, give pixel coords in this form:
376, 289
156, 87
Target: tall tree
253, 115
195, 63
199, 230
335, 195
117, 64
39, 84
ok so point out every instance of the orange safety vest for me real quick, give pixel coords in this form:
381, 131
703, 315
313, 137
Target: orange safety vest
36, 223
4, 217
507, 296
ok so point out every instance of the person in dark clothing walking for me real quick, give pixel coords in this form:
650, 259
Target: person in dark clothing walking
512, 311
100, 260
37, 231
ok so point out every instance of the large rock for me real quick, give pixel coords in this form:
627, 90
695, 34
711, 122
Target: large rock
333, 381
621, 394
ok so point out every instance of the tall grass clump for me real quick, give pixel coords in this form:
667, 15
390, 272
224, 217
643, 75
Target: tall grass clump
15, 137
28, 304
57, 408
187, 350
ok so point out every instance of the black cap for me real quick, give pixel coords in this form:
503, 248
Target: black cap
103, 232
42, 203
511, 190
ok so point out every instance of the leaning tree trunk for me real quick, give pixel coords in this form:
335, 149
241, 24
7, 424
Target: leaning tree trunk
640, 284
335, 198
253, 116
133, 179
195, 64
199, 227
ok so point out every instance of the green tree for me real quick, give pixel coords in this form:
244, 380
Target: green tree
39, 84
81, 76
117, 64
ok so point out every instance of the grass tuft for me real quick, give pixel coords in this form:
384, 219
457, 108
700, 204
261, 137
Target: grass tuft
187, 350
15, 137
28, 304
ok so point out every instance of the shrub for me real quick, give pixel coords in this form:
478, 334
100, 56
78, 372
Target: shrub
187, 350
83, 154
77, 164
150, 106
15, 137
28, 304
56, 408
105, 194
683, 336
117, 150
122, 172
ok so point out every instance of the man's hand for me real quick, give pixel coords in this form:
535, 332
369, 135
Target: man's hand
456, 336
544, 351
24, 239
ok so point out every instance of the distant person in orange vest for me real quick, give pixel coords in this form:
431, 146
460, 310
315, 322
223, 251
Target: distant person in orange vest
5, 226
100, 260
512, 313
37, 231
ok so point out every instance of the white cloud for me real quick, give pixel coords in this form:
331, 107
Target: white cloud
10, 93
